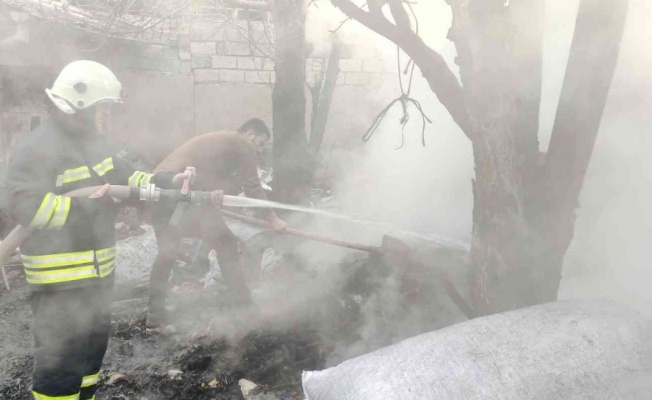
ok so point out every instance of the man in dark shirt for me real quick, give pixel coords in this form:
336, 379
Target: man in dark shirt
224, 161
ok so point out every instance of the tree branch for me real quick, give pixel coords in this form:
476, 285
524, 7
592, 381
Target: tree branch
400, 15
441, 79
334, 31
375, 6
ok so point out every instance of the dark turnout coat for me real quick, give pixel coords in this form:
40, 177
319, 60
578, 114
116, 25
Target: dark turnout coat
74, 241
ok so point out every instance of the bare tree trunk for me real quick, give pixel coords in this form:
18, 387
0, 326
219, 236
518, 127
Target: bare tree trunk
525, 18
591, 64
323, 96
523, 217
291, 161
497, 93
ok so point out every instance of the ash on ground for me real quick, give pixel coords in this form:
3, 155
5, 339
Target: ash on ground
309, 313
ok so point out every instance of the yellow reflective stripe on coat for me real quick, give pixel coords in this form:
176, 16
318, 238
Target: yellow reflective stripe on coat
52, 213
45, 211
107, 269
72, 266
139, 179
104, 167
105, 258
90, 380
58, 260
61, 275
105, 254
39, 396
60, 213
73, 175
147, 178
134, 180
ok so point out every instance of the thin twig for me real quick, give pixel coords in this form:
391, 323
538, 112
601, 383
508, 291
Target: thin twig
436, 71
340, 25
404, 99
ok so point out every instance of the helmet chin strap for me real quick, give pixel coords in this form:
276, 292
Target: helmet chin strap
60, 103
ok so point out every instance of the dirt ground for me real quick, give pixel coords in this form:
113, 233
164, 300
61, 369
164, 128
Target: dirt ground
15, 340
214, 345
189, 363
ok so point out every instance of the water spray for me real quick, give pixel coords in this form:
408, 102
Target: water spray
391, 247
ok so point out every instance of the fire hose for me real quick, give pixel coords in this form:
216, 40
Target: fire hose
153, 194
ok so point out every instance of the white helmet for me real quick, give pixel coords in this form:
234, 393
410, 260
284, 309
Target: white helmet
82, 84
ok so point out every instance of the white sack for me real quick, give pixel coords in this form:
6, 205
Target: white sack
592, 349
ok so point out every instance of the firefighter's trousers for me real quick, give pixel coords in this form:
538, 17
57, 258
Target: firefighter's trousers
205, 223
71, 331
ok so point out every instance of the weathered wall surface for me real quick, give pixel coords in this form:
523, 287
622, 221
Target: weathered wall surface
210, 77
233, 78
228, 105
22, 105
157, 114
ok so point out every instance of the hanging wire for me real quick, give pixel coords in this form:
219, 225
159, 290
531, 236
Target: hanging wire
404, 99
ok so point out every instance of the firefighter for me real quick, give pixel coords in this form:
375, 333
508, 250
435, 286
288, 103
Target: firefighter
69, 259
224, 161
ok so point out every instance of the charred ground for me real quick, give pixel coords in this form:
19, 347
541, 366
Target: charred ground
213, 345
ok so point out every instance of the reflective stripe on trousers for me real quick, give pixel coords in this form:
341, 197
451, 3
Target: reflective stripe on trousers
89, 386
90, 380
39, 396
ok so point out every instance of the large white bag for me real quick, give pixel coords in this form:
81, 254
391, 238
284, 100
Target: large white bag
593, 349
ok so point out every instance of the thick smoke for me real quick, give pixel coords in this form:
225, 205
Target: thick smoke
429, 189
610, 255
